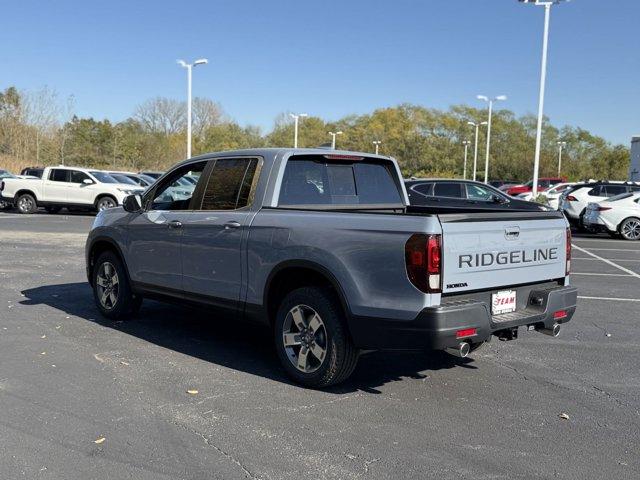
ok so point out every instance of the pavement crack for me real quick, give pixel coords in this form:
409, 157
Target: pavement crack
221, 451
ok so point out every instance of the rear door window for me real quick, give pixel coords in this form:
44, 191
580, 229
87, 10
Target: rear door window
312, 180
613, 190
424, 189
59, 175
479, 193
78, 176
448, 190
230, 184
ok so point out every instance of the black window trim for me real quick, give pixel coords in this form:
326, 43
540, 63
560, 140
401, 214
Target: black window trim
150, 194
68, 178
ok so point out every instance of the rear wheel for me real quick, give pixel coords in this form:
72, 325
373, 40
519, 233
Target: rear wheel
630, 229
311, 338
26, 203
111, 289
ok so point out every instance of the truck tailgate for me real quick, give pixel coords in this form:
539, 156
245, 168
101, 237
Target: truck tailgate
492, 250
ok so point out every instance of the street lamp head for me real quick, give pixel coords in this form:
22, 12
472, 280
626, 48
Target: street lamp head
201, 61
501, 97
339, 133
484, 123
483, 98
303, 115
182, 63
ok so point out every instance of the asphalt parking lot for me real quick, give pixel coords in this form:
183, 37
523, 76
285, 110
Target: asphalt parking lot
82, 397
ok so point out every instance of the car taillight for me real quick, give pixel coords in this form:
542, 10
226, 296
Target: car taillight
571, 198
568, 247
2, 185
423, 258
603, 209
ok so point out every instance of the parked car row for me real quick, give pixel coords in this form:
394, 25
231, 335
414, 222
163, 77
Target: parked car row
73, 188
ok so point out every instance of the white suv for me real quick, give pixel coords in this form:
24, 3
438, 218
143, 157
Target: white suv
66, 187
574, 202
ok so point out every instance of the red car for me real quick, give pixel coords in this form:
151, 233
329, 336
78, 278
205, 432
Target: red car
543, 184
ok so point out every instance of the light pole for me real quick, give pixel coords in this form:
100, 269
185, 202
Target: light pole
296, 118
490, 102
543, 79
561, 145
333, 139
377, 144
475, 153
466, 144
189, 67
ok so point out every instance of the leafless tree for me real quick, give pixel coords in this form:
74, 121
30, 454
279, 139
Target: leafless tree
161, 115
206, 113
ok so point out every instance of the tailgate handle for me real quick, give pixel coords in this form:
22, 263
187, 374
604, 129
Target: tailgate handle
175, 224
231, 225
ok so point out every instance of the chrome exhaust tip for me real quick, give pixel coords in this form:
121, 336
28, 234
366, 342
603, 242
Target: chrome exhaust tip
552, 332
462, 350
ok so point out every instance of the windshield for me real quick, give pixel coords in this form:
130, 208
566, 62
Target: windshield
123, 178
5, 174
146, 178
103, 177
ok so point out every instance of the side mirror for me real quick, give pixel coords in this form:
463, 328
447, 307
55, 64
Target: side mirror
87, 181
132, 204
497, 199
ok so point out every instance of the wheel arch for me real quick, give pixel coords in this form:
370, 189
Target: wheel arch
292, 274
100, 196
634, 217
98, 246
23, 191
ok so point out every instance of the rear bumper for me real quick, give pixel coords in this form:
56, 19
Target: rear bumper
435, 327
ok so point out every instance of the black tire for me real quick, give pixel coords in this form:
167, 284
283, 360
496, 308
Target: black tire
340, 357
125, 301
52, 210
26, 203
105, 202
630, 229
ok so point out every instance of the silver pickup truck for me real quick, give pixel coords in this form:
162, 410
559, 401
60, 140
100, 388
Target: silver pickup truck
323, 247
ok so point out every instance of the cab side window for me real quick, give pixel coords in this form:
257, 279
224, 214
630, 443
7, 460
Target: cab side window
479, 193
424, 189
230, 184
448, 190
175, 192
78, 176
59, 175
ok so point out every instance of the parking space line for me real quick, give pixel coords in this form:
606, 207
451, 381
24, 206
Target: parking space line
601, 274
610, 298
616, 249
608, 262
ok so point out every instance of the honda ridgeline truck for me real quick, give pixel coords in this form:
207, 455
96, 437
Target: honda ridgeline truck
323, 247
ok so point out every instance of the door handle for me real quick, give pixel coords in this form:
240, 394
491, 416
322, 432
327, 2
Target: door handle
175, 224
232, 224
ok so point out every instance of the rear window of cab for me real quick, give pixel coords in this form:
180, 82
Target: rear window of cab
327, 180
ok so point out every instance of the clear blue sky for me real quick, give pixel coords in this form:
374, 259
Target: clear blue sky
331, 58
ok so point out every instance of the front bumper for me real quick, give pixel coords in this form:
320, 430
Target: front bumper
435, 327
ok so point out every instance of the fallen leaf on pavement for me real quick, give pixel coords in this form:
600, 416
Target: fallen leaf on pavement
192, 392
564, 416
99, 440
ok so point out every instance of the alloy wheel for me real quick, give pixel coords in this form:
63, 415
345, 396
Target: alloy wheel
105, 203
25, 204
631, 229
107, 285
305, 338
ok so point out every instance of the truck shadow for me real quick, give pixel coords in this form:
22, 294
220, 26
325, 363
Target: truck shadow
238, 345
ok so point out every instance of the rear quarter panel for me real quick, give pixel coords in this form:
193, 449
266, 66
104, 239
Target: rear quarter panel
364, 252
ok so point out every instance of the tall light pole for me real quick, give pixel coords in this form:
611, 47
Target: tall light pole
490, 102
466, 144
475, 153
543, 79
189, 67
377, 144
333, 139
561, 146
296, 118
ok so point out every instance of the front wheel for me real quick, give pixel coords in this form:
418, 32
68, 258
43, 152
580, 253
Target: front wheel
111, 289
630, 229
26, 203
311, 338
105, 202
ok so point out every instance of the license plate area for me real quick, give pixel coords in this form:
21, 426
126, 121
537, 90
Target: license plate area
503, 302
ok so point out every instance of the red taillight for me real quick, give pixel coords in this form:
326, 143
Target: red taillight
568, 250
560, 314
355, 158
467, 332
603, 209
2, 185
423, 258
571, 198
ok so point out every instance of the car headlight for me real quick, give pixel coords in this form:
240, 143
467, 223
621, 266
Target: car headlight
127, 191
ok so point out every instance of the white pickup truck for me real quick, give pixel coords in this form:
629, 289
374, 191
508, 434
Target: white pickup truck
68, 187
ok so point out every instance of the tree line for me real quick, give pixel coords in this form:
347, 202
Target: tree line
39, 128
